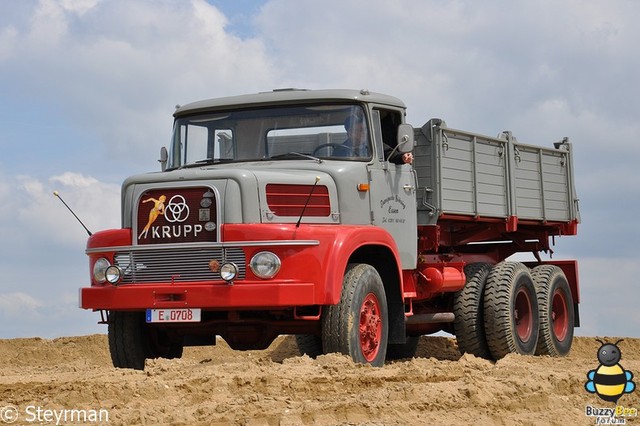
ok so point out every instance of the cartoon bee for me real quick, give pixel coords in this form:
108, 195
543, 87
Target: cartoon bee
609, 381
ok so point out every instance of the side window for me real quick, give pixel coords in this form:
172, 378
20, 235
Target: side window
389, 121
387, 130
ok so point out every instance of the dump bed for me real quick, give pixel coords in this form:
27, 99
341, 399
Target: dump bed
468, 175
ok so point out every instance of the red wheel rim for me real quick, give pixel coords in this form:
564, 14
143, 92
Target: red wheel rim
370, 327
523, 315
559, 315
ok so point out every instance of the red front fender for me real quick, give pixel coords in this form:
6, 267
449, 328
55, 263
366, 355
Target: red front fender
337, 245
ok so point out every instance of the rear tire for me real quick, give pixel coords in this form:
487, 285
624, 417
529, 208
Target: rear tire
358, 325
556, 311
510, 310
469, 312
128, 342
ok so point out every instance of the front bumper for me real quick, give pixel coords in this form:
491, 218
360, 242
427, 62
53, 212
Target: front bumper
214, 296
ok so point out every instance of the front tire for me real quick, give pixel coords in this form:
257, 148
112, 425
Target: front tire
128, 342
511, 317
556, 311
358, 325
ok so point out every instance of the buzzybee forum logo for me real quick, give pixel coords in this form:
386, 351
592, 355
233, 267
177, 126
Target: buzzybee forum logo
610, 381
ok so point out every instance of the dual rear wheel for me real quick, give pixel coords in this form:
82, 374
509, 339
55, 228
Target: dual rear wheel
508, 308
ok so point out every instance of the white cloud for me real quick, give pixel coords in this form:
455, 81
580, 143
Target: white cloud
117, 69
7, 40
30, 215
74, 179
18, 304
97, 204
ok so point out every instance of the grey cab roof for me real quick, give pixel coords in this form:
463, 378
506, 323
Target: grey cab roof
286, 96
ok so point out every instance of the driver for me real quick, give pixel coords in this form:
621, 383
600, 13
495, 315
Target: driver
357, 143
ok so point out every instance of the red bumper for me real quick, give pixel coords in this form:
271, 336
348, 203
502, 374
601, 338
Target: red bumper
215, 296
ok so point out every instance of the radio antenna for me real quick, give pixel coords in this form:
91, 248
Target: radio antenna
76, 216
307, 202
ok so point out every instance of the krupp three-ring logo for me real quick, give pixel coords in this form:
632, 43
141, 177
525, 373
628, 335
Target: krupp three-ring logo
177, 210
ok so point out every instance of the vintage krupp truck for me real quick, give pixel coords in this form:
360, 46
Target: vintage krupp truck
293, 212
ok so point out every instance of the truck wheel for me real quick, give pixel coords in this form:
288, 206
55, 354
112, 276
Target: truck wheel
128, 342
511, 318
556, 310
403, 351
358, 325
469, 312
309, 344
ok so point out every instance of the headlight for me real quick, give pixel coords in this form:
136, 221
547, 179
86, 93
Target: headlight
228, 271
99, 270
113, 274
265, 264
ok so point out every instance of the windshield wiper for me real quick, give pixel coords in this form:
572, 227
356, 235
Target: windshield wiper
296, 154
207, 161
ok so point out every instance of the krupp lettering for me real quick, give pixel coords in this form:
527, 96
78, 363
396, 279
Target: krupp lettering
175, 231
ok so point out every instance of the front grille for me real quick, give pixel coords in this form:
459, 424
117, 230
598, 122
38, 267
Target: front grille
177, 265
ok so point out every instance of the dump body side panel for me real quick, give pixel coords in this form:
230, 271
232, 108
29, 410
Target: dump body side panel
462, 173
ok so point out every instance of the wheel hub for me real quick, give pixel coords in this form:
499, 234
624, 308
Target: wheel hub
370, 327
523, 315
559, 315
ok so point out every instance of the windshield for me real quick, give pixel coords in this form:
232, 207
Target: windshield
322, 131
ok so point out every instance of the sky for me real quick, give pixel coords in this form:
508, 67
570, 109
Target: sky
88, 88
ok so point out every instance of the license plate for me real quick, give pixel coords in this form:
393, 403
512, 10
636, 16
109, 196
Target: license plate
173, 315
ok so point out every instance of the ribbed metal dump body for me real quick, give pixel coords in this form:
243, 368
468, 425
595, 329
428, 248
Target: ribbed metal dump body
462, 173
177, 265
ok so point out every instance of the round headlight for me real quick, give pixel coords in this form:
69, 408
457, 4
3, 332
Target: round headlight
265, 264
113, 274
228, 271
99, 269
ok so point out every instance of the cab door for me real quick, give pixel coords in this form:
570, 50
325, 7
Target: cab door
393, 190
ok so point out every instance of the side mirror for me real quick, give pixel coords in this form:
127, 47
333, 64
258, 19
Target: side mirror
405, 138
164, 157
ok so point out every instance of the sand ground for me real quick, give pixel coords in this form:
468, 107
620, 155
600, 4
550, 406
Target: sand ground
277, 386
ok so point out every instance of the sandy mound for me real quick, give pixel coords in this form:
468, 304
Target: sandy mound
277, 386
